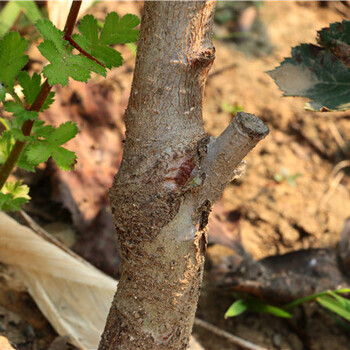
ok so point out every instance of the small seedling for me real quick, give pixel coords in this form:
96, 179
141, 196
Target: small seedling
232, 108
284, 176
331, 300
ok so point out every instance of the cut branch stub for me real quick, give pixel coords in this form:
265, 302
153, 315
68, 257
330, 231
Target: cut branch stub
226, 153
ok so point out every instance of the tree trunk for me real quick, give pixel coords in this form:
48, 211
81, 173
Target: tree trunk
170, 176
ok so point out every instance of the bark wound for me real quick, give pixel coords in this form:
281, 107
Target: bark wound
179, 173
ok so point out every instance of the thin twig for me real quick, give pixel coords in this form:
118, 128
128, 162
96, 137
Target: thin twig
336, 176
336, 134
228, 336
47, 236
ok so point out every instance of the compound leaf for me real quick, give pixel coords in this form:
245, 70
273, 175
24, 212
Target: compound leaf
40, 151
63, 64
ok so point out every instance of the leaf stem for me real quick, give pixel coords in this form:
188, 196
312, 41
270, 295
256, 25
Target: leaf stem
27, 126
81, 50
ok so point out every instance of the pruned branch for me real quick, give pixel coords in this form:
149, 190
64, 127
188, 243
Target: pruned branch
228, 150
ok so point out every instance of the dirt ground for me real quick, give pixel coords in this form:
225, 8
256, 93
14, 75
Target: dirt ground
275, 217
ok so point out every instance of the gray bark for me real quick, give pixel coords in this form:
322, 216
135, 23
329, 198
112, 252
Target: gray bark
170, 176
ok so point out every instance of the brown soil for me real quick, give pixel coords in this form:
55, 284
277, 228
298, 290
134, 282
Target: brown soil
275, 217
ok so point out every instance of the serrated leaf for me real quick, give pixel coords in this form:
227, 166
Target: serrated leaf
48, 102
48, 144
63, 64
12, 58
119, 31
236, 309
50, 32
30, 85
64, 158
90, 42
62, 134
24, 163
38, 153
20, 112
41, 131
317, 74
336, 38
18, 135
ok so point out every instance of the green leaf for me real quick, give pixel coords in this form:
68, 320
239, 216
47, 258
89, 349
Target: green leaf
30, 86
40, 151
12, 58
335, 306
117, 31
236, 308
20, 112
48, 102
63, 134
259, 306
63, 64
90, 42
345, 303
311, 297
23, 161
42, 131
321, 74
64, 158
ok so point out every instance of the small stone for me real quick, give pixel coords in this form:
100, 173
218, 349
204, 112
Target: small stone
277, 340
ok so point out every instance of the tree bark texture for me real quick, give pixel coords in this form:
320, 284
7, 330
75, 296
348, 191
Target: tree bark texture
170, 176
